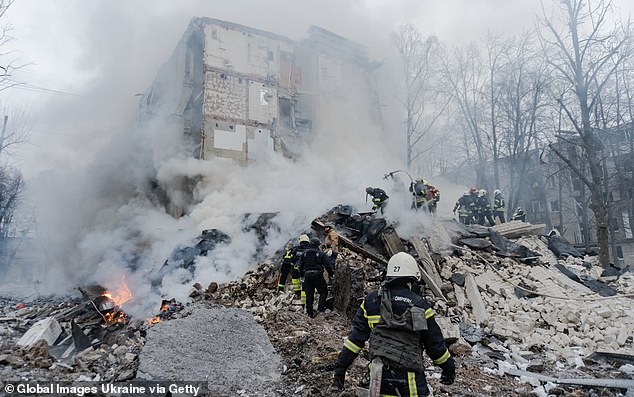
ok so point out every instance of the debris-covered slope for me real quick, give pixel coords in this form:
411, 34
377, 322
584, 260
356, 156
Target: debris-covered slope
518, 319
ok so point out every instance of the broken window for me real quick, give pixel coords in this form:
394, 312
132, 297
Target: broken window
554, 205
619, 252
285, 113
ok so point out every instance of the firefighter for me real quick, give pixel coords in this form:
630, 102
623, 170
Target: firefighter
483, 207
303, 243
473, 205
462, 205
418, 189
433, 197
399, 324
332, 242
519, 215
498, 205
286, 267
379, 198
312, 263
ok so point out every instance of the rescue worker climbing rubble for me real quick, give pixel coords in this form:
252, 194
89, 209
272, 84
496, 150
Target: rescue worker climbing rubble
286, 266
399, 324
312, 263
303, 243
379, 198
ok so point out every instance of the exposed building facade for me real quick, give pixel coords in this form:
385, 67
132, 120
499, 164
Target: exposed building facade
239, 92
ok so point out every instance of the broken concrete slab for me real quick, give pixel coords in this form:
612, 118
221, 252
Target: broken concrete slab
205, 345
47, 329
425, 259
477, 304
451, 331
514, 229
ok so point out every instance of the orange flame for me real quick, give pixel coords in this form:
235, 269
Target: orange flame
122, 294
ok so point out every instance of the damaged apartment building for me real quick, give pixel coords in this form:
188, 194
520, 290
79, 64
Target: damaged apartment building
238, 92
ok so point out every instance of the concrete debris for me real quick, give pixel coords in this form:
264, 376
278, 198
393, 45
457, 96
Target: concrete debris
515, 229
47, 329
205, 345
500, 316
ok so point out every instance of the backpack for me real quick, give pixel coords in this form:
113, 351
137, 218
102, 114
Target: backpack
396, 338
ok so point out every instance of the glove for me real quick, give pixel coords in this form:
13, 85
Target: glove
338, 380
448, 375
329, 252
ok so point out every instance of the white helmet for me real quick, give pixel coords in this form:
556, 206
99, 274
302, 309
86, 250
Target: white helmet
403, 264
482, 193
497, 191
303, 237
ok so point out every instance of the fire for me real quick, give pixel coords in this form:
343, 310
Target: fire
111, 312
113, 317
122, 295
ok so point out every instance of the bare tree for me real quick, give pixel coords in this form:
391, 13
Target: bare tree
519, 110
422, 102
465, 81
585, 53
7, 60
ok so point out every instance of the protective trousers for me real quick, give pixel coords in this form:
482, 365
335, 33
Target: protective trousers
284, 272
314, 280
410, 384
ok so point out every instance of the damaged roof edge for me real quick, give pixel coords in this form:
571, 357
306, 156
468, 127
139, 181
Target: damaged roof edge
200, 21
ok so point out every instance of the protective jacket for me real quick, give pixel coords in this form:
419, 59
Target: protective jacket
295, 255
406, 370
314, 260
499, 203
378, 195
312, 263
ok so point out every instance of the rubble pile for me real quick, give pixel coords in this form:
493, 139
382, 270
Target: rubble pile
520, 319
68, 339
499, 313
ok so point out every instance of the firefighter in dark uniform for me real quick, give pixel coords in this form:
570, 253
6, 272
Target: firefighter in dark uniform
464, 212
499, 205
399, 324
312, 264
473, 205
419, 192
379, 198
286, 267
295, 254
519, 215
483, 208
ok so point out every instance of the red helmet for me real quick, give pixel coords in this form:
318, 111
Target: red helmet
474, 190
